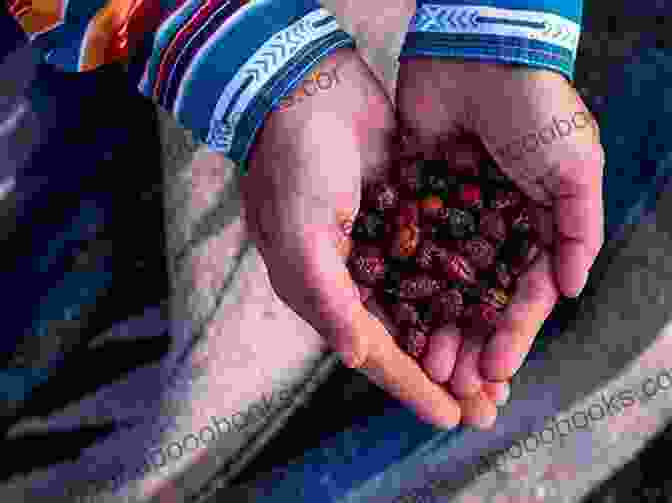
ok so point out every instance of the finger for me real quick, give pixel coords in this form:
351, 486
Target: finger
439, 361
533, 301
498, 391
391, 369
579, 219
479, 411
467, 380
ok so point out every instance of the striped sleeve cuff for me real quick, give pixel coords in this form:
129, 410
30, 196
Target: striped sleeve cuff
535, 33
246, 62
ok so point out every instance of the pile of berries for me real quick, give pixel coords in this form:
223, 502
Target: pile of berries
443, 242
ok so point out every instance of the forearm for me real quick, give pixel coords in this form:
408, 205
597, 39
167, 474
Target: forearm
218, 67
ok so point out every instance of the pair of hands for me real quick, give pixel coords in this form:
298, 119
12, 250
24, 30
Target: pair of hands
302, 193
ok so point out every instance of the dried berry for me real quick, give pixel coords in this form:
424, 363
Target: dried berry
404, 313
503, 275
430, 255
418, 287
414, 342
410, 177
520, 219
367, 265
446, 307
470, 196
492, 225
506, 199
382, 196
479, 252
528, 251
457, 223
496, 297
368, 226
431, 205
405, 241
480, 317
457, 268
409, 213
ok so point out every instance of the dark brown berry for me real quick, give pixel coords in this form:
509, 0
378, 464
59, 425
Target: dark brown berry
491, 172
404, 314
430, 255
528, 252
457, 268
369, 226
503, 275
479, 252
367, 265
520, 219
383, 196
414, 342
492, 225
446, 307
418, 287
457, 223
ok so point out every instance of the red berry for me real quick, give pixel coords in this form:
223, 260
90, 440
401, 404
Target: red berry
367, 265
382, 196
447, 306
492, 225
414, 342
431, 206
470, 196
418, 287
457, 268
409, 213
479, 252
480, 317
404, 313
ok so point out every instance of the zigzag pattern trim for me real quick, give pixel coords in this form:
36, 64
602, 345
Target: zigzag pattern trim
260, 68
533, 25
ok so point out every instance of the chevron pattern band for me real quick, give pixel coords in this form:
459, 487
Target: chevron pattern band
532, 25
266, 62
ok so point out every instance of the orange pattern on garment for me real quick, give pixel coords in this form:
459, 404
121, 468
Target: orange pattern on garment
37, 16
115, 29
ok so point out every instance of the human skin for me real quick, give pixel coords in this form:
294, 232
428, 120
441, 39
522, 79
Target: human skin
510, 109
301, 195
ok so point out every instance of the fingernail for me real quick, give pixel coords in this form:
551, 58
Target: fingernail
504, 399
486, 422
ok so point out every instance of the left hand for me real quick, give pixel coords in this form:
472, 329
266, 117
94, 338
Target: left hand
517, 113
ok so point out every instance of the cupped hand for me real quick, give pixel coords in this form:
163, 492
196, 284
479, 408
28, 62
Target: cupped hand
301, 196
542, 136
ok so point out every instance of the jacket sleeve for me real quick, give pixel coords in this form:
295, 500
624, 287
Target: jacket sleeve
218, 66
536, 33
